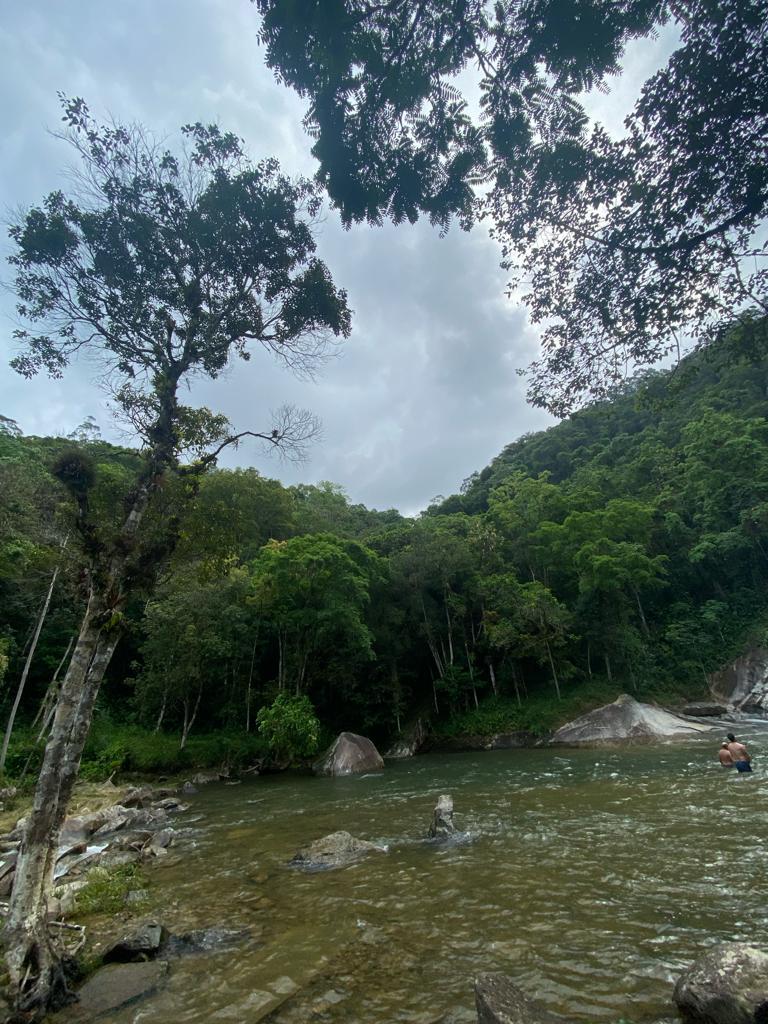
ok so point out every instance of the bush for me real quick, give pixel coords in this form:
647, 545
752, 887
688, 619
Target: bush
106, 889
290, 727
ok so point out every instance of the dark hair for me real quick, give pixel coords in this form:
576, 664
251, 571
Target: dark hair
731, 737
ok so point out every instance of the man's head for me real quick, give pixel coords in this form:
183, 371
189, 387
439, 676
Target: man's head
731, 737
725, 744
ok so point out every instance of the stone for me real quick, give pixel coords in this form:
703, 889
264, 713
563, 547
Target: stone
744, 683
500, 1001
170, 803
442, 818
116, 986
139, 796
142, 944
349, 754
626, 720
334, 851
727, 985
205, 940
189, 788
409, 741
163, 838
703, 709
203, 778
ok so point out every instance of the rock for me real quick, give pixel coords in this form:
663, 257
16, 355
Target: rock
349, 754
334, 851
500, 1001
116, 986
512, 740
442, 818
727, 985
139, 796
162, 839
205, 940
170, 803
189, 788
142, 944
627, 720
203, 778
409, 741
744, 683
702, 709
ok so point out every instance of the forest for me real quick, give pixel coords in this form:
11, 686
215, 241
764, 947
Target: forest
623, 549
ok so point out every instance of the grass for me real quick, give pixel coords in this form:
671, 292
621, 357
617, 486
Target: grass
107, 888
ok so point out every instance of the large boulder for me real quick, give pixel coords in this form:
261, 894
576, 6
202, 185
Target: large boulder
744, 683
442, 826
704, 709
348, 755
334, 851
113, 987
626, 720
500, 1001
727, 985
141, 944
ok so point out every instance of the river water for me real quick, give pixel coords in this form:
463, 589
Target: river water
592, 877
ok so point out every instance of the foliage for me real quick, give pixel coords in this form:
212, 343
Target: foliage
290, 727
106, 889
626, 244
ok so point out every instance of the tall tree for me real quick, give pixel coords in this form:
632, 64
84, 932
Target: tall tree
163, 267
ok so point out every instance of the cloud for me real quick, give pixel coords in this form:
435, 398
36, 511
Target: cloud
425, 391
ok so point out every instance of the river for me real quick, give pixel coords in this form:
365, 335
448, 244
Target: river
590, 876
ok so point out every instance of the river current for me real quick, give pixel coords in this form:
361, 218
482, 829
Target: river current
592, 877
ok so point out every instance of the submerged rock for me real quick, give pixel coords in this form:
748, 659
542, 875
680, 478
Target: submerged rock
205, 940
349, 754
334, 851
116, 986
728, 985
704, 709
627, 720
500, 1001
142, 944
442, 819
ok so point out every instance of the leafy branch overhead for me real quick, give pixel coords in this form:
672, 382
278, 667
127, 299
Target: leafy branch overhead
625, 245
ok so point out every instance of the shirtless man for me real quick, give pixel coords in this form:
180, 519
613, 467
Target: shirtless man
739, 753
725, 755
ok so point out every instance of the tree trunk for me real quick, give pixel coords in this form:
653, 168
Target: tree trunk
608, 668
492, 674
248, 690
189, 721
48, 703
34, 966
642, 612
589, 659
554, 670
27, 664
161, 715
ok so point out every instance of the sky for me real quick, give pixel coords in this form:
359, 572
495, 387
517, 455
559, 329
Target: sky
425, 391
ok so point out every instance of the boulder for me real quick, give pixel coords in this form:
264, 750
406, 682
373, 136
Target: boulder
727, 985
744, 683
512, 740
500, 1001
626, 720
704, 709
349, 754
116, 986
189, 788
203, 778
442, 818
409, 741
205, 940
333, 851
142, 944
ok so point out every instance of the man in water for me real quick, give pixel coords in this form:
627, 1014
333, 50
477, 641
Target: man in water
739, 753
725, 755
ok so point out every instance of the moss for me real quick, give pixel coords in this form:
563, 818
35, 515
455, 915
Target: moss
107, 888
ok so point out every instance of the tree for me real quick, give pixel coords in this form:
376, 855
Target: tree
628, 244
290, 727
163, 267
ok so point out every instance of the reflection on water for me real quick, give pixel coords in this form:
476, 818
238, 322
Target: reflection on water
592, 878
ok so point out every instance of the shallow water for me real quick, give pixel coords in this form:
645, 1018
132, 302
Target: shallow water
592, 877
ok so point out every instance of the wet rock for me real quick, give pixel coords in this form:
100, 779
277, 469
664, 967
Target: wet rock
500, 1001
727, 985
703, 709
512, 740
627, 720
334, 851
744, 683
442, 818
163, 838
409, 742
203, 778
349, 754
170, 803
7, 871
142, 944
189, 788
139, 796
205, 940
116, 986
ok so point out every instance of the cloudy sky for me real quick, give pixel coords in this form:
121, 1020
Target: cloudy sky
424, 392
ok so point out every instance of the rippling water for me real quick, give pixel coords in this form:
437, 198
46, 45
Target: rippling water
592, 877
